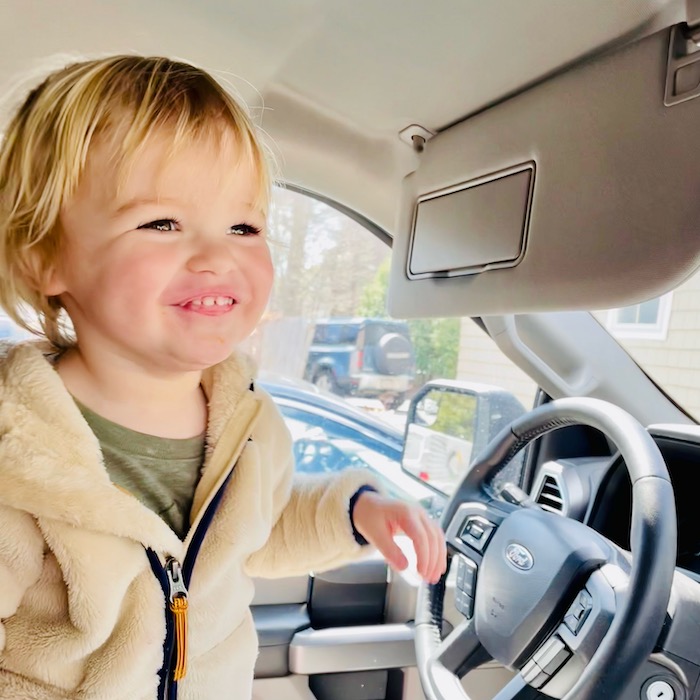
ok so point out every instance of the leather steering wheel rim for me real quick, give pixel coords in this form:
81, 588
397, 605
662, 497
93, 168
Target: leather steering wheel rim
638, 620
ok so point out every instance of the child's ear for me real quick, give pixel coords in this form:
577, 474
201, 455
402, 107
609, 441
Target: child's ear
52, 284
44, 265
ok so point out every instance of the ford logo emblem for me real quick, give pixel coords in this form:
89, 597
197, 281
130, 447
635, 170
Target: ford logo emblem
519, 557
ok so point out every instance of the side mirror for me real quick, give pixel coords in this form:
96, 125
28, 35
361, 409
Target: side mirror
448, 424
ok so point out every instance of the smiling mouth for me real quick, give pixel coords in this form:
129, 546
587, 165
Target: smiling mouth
209, 302
209, 305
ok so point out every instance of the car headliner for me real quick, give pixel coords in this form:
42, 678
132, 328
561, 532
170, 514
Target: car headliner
338, 81
573, 90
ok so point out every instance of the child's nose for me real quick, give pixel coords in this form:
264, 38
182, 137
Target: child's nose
216, 256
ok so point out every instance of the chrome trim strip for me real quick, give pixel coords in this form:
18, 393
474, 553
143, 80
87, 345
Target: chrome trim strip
343, 649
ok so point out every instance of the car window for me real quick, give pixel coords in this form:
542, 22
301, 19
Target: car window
331, 285
323, 444
335, 334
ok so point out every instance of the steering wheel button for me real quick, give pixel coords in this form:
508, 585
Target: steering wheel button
578, 612
466, 576
464, 603
461, 570
552, 655
476, 532
468, 606
533, 675
573, 623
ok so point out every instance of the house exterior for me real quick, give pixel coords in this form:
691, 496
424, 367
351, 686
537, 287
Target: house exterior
481, 360
662, 335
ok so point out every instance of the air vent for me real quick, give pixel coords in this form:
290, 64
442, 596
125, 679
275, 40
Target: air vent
550, 496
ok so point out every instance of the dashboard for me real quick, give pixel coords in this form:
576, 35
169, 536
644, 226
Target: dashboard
597, 491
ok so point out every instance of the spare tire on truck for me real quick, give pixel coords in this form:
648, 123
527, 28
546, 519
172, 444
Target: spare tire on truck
393, 354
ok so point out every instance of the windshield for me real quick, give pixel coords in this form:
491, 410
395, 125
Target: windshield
663, 337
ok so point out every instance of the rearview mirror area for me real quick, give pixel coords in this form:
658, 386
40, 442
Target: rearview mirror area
448, 424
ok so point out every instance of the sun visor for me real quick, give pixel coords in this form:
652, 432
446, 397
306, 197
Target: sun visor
582, 192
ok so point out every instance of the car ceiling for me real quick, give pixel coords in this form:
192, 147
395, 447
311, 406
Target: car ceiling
338, 81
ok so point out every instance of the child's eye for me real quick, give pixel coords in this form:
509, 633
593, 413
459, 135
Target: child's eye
165, 225
244, 230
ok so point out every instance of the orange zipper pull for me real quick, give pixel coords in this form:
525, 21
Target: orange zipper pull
178, 607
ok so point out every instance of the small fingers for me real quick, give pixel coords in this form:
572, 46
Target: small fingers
417, 528
428, 542
384, 542
425, 534
435, 564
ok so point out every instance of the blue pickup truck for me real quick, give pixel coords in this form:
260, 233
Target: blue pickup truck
371, 357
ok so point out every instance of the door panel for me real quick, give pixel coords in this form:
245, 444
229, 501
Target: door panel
288, 688
277, 626
307, 629
279, 591
352, 595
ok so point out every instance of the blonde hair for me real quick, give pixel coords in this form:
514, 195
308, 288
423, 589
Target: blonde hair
47, 142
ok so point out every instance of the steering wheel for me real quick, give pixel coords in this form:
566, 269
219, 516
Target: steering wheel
544, 595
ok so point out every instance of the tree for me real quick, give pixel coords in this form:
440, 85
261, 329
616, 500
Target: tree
436, 346
373, 296
323, 259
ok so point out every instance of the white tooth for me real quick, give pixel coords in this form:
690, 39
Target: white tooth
196, 302
208, 301
222, 301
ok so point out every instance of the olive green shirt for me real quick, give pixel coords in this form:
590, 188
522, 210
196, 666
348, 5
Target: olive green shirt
161, 472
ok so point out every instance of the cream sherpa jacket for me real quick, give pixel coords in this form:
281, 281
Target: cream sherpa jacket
82, 611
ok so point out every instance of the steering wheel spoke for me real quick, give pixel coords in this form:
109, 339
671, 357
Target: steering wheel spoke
559, 662
461, 651
517, 689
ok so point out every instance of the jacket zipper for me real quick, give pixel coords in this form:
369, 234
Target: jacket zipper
178, 607
174, 579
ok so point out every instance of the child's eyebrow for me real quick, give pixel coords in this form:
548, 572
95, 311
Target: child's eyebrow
137, 202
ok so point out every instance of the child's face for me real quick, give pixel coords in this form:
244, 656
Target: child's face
170, 273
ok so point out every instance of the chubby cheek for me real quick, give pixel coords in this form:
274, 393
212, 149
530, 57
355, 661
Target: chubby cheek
134, 283
263, 278
265, 285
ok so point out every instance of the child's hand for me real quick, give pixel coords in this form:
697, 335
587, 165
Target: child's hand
378, 519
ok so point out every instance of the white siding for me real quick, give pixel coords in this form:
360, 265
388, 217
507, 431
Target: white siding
480, 360
674, 362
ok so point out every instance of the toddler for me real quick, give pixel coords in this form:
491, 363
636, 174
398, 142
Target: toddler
145, 477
